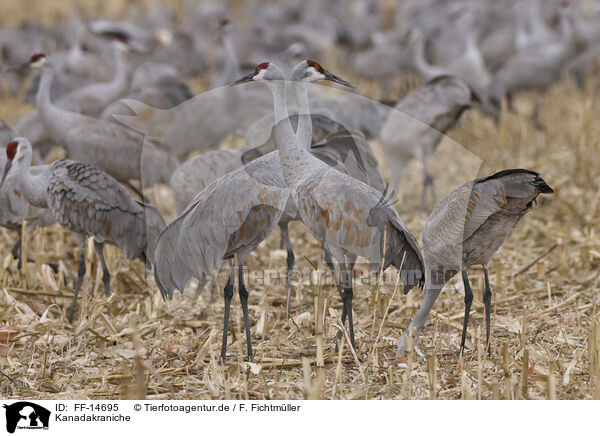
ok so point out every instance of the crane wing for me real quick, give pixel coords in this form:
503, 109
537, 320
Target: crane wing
233, 214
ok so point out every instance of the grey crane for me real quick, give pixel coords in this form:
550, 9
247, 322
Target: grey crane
466, 228
348, 217
90, 99
204, 121
155, 84
417, 125
13, 207
346, 151
88, 202
534, 67
121, 152
231, 216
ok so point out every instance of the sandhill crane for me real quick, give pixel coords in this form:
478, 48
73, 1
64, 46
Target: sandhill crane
333, 144
347, 152
90, 99
534, 67
417, 125
204, 121
466, 228
348, 217
88, 202
231, 216
13, 207
155, 84
121, 152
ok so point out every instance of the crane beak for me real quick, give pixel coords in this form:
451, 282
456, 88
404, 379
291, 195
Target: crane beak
333, 78
5, 173
247, 78
19, 68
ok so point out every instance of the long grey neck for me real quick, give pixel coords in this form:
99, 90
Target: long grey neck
231, 67
58, 122
292, 154
304, 131
44, 104
119, 83
423, 67
34, 188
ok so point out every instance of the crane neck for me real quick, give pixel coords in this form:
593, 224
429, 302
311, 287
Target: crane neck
120, 68
231, 66
304, 131
33, 187
426, 70
292, 154
44, 104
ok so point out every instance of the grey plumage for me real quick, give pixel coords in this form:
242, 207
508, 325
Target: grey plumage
417, 125
467, 227
117, 150
88, 202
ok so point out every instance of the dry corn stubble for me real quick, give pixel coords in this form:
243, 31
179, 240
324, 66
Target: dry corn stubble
547, 272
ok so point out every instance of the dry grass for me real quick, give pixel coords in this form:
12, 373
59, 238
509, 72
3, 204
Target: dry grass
546, 329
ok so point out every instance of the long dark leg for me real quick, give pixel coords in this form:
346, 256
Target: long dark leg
510, 103
487, 300
468, 301
347, 298
16, 250
228, 294
427, 184
17, 254
80, 274
285, 237
536, 112
329, 262
244, 300
105, 272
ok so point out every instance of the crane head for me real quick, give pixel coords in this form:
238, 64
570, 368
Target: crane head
38, 60
11, 151
120, 45
311, 71
262, 72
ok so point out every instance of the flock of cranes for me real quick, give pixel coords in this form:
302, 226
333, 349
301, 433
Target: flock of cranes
115, 98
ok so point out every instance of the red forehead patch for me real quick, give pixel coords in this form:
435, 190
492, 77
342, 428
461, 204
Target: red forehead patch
314, 64
11, 149
262, 66
224, 22
36, 57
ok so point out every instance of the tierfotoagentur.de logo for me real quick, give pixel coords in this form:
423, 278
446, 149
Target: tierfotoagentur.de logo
24, 415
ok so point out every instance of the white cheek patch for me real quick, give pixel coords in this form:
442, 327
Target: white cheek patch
317, 76
260, 75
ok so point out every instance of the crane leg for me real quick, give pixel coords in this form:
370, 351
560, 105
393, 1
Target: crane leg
536, 111
510, 104
487, 300
228, 294
17, 254
427, 184
80, 274
244, 300
347, 300
327, 259
16, 251
285, 237
105, 272
468, 301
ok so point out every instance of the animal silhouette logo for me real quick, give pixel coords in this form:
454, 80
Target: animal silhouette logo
26, 415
